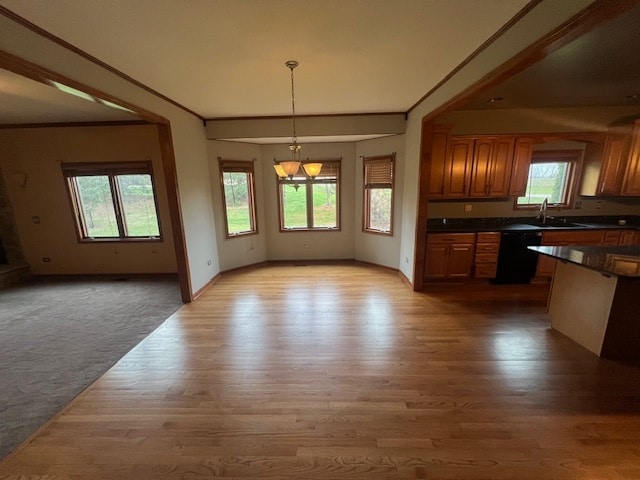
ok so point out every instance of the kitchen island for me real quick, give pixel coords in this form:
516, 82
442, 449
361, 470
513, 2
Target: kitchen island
595, 297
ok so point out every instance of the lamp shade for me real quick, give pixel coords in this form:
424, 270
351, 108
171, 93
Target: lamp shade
290, 168
312, 169
279, 170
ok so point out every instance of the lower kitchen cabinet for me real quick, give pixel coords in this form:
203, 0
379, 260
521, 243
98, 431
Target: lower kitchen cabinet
546, 265
629, 237
449, 255
486, 256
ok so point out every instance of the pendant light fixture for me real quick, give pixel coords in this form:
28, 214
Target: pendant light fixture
290, 168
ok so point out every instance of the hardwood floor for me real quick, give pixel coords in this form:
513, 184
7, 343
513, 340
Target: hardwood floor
342, 372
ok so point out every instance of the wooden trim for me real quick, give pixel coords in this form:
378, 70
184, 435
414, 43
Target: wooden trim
49, 36
175, 212
506, 27
248, 168
366, 194
41, 74
206, 286
424, 176
592, 16
124, 123
405, 280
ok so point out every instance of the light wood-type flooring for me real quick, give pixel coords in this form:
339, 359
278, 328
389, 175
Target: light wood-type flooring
342, 372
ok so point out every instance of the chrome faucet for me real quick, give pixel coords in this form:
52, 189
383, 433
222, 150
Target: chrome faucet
543, 211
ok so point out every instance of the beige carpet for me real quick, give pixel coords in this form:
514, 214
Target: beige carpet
58, 335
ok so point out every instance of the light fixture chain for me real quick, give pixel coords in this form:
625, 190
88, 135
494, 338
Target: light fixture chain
293, 105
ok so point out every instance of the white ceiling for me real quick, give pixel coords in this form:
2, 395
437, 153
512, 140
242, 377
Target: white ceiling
225, 58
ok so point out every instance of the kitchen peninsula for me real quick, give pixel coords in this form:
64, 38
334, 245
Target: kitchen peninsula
595, 297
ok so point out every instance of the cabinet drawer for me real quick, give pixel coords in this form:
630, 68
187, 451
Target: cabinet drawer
611, 237
451, 238
487, 247
593, 237
489, 237
485, 270
486, 257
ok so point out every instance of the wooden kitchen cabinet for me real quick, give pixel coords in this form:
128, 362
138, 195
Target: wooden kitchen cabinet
546, 265
449, 255
438, 153
457, 168
631, 183
611, 237
486, 256
629, 237
614, 161
478, 166
491, 167
522, 152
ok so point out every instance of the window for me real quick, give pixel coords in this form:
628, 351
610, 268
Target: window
551, 176
307, 204
113, 201
238, 197
377, 208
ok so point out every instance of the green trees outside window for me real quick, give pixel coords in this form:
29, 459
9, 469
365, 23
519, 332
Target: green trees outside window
113, 201
311, 204
237, 180
379, 174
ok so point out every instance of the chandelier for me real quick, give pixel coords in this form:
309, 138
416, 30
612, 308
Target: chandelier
289, 168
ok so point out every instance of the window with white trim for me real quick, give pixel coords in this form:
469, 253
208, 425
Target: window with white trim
552, 175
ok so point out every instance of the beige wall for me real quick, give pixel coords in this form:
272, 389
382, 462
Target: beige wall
310, 245
379, 249
187, 132
247, 249
38, 153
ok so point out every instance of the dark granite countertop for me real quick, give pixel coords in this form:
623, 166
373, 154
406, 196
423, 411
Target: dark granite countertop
499, 224
621, 261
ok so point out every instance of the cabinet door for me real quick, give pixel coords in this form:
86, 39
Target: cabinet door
460, 260
458, 168
481, 168
631, 185
440, 138
435, 260
614, 161
520, 169
628, 237
501, 166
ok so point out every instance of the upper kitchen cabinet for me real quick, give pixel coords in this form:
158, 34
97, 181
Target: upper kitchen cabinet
631, 183
522, 152
613, 169
478, 166
492, 161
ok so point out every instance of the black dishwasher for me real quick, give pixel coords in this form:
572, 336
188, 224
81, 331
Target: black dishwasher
516, 263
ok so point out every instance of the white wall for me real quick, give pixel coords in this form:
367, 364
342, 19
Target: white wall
187, 130
247, 249
379, 249
310, 245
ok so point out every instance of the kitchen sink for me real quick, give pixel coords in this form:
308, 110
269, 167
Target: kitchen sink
559, 224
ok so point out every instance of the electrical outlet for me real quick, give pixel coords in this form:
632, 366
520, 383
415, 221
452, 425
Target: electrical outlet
468, 207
